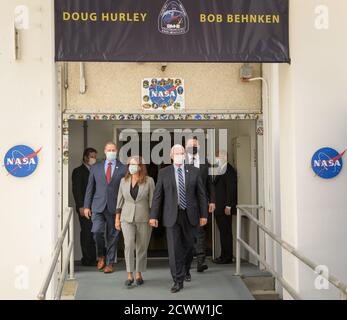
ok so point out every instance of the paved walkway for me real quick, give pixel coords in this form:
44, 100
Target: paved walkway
217, 283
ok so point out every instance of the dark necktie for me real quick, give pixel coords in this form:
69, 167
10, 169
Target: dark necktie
109, 172
181, 190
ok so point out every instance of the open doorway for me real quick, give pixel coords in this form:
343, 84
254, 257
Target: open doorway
242, 154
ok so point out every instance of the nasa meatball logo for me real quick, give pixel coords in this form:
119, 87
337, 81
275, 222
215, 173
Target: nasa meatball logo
21, 161
163, 95
327, 163
173, 18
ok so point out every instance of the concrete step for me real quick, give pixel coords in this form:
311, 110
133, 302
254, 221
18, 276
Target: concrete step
262, 287
69, 290
259, 283
265, 295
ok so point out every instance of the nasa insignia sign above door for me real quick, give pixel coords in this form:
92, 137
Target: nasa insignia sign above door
172, 30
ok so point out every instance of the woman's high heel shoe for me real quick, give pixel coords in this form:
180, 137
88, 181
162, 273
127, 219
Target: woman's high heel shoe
129, 282
139, 281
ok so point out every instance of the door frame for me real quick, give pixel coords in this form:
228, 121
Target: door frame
191, 117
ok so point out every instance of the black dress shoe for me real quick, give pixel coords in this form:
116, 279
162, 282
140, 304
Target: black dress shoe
128, 283
202, 267
176, 287
139, 282
217, 259
188, 277
225, 261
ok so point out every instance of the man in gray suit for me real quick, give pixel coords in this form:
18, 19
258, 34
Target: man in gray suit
180, 198
100, 205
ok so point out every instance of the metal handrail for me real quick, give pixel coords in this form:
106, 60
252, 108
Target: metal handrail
68, 261
242, 211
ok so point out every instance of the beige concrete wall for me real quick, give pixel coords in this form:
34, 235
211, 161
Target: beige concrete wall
116, 87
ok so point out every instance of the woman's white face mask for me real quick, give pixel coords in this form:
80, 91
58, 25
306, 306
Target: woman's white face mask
133, 168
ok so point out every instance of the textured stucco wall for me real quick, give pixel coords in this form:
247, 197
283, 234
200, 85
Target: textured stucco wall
116, 87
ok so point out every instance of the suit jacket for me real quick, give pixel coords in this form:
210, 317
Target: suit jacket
165, 199
226, 190
105, 195
80, 177
135, 210
207, 180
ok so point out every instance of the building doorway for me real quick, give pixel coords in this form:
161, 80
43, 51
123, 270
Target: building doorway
242, 149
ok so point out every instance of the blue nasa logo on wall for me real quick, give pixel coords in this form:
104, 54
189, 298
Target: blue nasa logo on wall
21, 161
327, 163
163, 95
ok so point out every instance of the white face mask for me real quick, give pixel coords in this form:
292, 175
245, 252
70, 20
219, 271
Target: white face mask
179, 159
133, 168
91, 161
221, 162
110, 156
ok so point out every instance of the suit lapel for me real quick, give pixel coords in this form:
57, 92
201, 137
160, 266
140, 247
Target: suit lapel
187, 170
173, 179
115, 172
84, 168
103, 171
141, 188
127, 185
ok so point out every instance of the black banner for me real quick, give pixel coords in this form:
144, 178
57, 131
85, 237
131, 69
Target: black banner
172, 30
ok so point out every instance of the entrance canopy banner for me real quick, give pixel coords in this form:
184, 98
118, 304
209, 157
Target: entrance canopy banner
172, 30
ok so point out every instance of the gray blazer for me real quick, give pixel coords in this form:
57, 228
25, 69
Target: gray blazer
135, 210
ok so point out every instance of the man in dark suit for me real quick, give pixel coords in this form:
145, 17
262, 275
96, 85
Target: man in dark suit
80, 177
181, 199
194, 159
100, 204
225, 183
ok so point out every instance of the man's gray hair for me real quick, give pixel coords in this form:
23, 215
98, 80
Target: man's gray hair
177, 146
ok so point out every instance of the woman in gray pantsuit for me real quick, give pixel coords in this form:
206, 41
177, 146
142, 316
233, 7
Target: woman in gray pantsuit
132, 217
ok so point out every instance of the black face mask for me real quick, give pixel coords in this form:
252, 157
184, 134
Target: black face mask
192, 150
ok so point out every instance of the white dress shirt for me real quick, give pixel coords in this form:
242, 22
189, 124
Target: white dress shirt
196, 158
